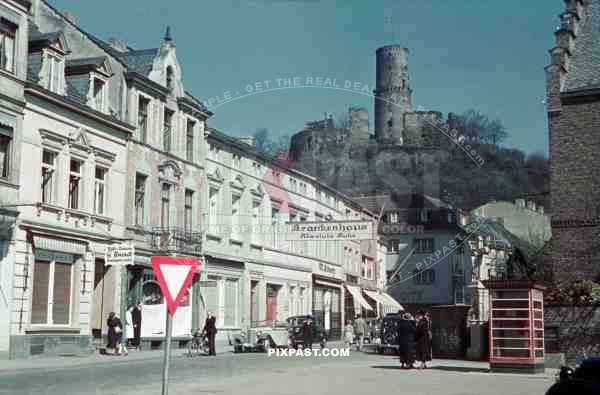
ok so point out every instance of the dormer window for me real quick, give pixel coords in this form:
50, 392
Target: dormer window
98, 94
8, 32
170, 78
55, 73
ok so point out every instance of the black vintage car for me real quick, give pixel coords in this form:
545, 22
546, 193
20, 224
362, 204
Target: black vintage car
295, 330
389, 333
584, 380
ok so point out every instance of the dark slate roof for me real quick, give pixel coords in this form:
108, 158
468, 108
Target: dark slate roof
45, 37
139, 61
389, 202
584, 69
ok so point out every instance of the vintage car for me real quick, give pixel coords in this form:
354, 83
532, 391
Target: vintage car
262, 336
583, 380
388, 334
296, 334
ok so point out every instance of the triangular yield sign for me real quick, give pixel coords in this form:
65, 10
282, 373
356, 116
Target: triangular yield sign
174, 275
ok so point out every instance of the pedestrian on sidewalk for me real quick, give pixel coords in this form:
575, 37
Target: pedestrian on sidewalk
115, 329
422, 339
307, 334
136, 315
406, 340
359, 331
129, 329
210, 330
348, 334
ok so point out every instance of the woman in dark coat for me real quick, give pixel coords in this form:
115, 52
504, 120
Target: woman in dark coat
115, 330
423, 340
406, 334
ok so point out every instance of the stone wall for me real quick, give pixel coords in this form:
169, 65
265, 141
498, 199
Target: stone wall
450, 335
572, 331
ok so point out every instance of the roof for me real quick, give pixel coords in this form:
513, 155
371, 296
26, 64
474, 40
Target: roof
95, 61
584, 68
394, 202
140, 61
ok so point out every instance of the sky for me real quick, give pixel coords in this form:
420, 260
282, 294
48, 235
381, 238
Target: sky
486, 55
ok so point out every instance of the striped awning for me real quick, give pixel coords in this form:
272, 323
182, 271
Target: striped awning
384, 299
43, 242
357, 295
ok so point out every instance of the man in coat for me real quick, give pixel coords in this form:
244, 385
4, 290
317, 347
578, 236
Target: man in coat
137, 325
359, 331
406, 338
423, 339
307, 333
210, 330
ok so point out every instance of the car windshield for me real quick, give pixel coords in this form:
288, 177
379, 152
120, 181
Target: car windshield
296, 321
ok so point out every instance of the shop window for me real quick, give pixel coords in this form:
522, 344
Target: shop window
151, 293
52, 293
231, 302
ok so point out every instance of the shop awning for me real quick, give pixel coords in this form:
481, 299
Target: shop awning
43, 242
384, 299
357, 295
392, 302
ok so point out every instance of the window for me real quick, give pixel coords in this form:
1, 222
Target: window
274, 223
293, 185
303, 188
98, 94
450, 217
393, 218
165, 205
213, 152
235, 216
5, 147
170, 77
211, 298
189, 198
140, 194
99, 190
51, 299
55, 72
167, 131
424, 277
394, 246
257, 169
8, 32
143, 104
189, 140
424, 216
213, 205
231, 302
236, 161
74, 184
256, 222
423, 245
48, 168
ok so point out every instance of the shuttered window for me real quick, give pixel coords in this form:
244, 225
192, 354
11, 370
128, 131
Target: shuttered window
231, 305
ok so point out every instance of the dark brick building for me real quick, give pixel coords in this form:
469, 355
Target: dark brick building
573, 102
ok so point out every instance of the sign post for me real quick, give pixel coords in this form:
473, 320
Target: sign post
174, 275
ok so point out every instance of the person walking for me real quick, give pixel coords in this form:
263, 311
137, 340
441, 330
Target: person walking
406, 335
348, 334
307, 334
210, 330
359, 331
136, 315
112, 335
129, 335
422, 339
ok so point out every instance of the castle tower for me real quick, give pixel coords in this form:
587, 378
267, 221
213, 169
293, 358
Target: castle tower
359, 124
392, 85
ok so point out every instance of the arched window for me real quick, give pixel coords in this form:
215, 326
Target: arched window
170, 77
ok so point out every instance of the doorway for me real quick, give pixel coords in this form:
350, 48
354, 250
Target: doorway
272, 293
98, 300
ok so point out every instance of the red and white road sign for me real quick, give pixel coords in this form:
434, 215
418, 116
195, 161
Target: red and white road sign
174, 275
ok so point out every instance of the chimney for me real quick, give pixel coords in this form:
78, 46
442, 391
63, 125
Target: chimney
69, 16
117, 44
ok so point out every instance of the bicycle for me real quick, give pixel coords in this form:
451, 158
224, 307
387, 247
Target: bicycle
198, 344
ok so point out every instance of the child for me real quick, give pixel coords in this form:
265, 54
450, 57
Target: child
348, 334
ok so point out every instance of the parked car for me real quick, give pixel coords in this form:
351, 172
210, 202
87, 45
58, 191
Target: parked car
388, 334
262, 336
296, 334
373, 334
584, 380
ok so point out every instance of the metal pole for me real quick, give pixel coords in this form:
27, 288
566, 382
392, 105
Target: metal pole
167, 357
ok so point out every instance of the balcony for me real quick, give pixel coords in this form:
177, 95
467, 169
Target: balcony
176, 240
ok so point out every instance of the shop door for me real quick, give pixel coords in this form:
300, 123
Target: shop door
272, 303
97, 316
253, 302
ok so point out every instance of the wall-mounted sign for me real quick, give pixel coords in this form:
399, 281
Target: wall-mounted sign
326, 268
329, 231
119, 254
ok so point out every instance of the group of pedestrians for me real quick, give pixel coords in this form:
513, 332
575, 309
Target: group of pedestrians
414, 339
121, 337
355, 332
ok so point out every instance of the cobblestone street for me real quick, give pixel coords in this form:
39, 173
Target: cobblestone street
260, 374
